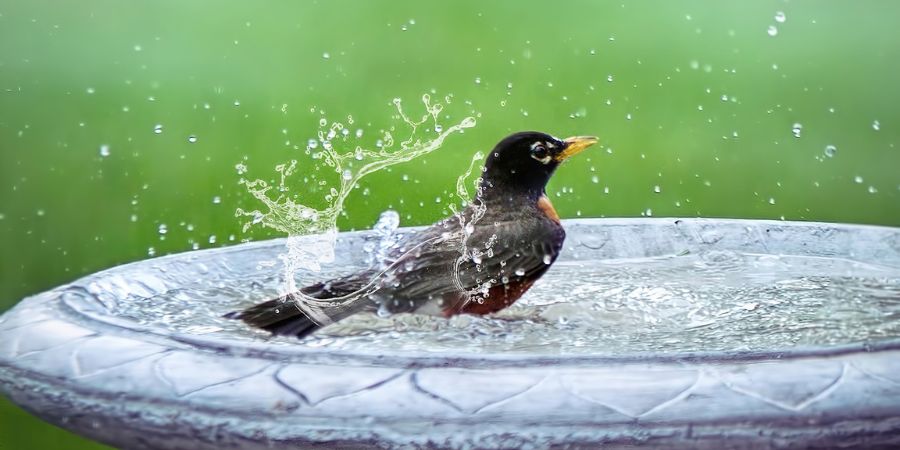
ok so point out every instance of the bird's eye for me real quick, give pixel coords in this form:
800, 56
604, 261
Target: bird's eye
540, 153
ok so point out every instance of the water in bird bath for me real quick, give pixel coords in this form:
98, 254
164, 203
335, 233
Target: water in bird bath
714, 301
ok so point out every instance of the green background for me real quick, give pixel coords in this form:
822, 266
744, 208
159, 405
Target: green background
701, 103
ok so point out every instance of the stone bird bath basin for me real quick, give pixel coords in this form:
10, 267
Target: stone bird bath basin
77, 357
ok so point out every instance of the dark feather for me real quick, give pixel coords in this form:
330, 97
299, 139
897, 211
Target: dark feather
283, 315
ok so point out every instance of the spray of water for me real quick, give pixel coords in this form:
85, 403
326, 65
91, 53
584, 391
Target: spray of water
312, 231
467, 220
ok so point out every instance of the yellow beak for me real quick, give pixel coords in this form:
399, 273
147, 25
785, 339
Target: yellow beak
575, 145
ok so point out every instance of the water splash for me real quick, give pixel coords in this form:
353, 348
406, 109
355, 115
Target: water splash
386, 237
467, 220
312, 231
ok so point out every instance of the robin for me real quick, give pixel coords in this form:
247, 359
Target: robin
477, 261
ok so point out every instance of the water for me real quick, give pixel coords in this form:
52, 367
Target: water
717, 301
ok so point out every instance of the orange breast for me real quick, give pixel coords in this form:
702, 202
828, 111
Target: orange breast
546, 207
498, 297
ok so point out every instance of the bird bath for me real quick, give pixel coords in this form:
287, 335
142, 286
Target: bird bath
664, 332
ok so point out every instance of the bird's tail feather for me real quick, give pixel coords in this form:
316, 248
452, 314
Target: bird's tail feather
279, 316
283, 316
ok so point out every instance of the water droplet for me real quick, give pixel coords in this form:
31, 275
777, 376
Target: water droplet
90, 90
157, 129
872, 190
772, 31
134, 218
192, 139
830, 150
163, 228
347, 175
876, 125
359, 132
104, 150
137, 47
387, 223
858, 179
216, 200
771, 200
212, 239
547, 259
780, 17
595, 179
151, 251
326, 55
609, 78
520, 272
312, 143
657, 189
477, 80
796, 129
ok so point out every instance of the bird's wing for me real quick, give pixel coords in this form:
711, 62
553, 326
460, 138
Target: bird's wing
447, 261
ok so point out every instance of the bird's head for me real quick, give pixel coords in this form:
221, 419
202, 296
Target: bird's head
524, 162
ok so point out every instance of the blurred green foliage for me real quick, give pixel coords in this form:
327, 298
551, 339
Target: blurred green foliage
698, 98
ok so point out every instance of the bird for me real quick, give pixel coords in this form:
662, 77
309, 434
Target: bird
478, 261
